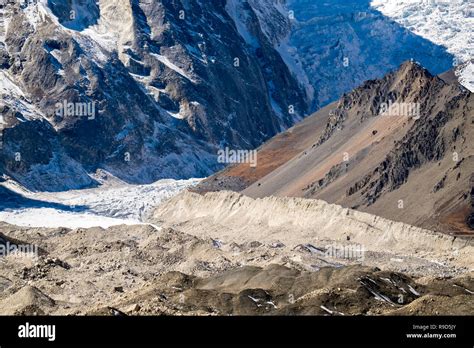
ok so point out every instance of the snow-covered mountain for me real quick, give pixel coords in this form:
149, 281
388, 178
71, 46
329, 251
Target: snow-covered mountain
145, 90
448, 23
150, 90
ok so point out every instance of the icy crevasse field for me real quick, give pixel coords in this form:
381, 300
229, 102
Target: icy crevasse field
112, 204
341, 44
449, 23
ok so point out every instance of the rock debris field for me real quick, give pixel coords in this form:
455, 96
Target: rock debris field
227, 254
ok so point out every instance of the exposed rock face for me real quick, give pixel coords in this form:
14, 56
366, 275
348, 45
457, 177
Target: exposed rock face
470, 218
411, 165
144, 89
427, 140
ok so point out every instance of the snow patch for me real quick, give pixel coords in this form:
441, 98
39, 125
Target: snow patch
13, 96
466, 75
52, 218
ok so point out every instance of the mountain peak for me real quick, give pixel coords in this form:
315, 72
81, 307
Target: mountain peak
414, 69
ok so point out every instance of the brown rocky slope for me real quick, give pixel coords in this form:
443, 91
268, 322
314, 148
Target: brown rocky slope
410, 169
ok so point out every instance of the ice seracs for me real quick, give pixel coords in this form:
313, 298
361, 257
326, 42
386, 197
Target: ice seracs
447, 23
113, 203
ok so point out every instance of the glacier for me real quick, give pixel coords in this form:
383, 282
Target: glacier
446, 23
113, 203
341, 44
